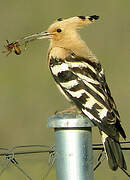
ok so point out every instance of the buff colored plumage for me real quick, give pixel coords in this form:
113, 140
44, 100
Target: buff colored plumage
79, 75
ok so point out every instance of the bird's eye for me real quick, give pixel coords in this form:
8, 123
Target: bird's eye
58, 30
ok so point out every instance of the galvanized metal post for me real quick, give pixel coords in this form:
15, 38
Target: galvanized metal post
74, 159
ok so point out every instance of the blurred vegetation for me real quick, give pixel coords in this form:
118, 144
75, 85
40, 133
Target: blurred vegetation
28, 95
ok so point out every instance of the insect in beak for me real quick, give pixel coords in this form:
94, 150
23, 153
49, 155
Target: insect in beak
13, 46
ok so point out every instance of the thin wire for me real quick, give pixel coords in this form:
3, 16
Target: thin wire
99, 160
101, 148
5, 167
15, 163
5, 149
26, 146
49, 150
18, 167
10, 156
125, 172
26, 152
52, 158
122, 142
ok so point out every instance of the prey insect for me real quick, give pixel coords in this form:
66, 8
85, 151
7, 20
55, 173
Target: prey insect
15, 45
12, 47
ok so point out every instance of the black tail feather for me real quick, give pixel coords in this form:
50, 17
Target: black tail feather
114, 154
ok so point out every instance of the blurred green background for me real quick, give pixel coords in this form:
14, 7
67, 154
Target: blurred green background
28, 95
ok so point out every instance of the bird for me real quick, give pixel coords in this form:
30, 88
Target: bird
81, 79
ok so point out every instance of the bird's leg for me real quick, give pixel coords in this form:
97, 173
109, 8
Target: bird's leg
72, 109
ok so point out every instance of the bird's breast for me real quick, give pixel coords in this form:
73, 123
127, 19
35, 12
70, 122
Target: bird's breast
58, 52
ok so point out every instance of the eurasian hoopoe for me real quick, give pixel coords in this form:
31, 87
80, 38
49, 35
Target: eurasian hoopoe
80, 77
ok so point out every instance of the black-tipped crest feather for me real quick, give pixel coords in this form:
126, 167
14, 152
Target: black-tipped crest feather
94, 17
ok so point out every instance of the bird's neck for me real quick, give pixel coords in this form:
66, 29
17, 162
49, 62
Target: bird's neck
75, 45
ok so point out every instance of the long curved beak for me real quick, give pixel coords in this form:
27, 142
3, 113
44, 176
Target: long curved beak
41, 35
44, 35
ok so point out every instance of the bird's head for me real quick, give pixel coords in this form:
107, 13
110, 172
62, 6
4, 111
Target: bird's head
64, 31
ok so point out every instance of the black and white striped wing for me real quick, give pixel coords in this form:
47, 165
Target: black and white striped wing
84, 83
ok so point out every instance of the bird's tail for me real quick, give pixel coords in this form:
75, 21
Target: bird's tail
114, 153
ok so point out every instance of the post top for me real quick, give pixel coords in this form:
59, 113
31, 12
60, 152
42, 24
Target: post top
68, 121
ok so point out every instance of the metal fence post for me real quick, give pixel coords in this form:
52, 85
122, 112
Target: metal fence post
74, 159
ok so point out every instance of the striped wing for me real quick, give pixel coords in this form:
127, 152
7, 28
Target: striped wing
84, 83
